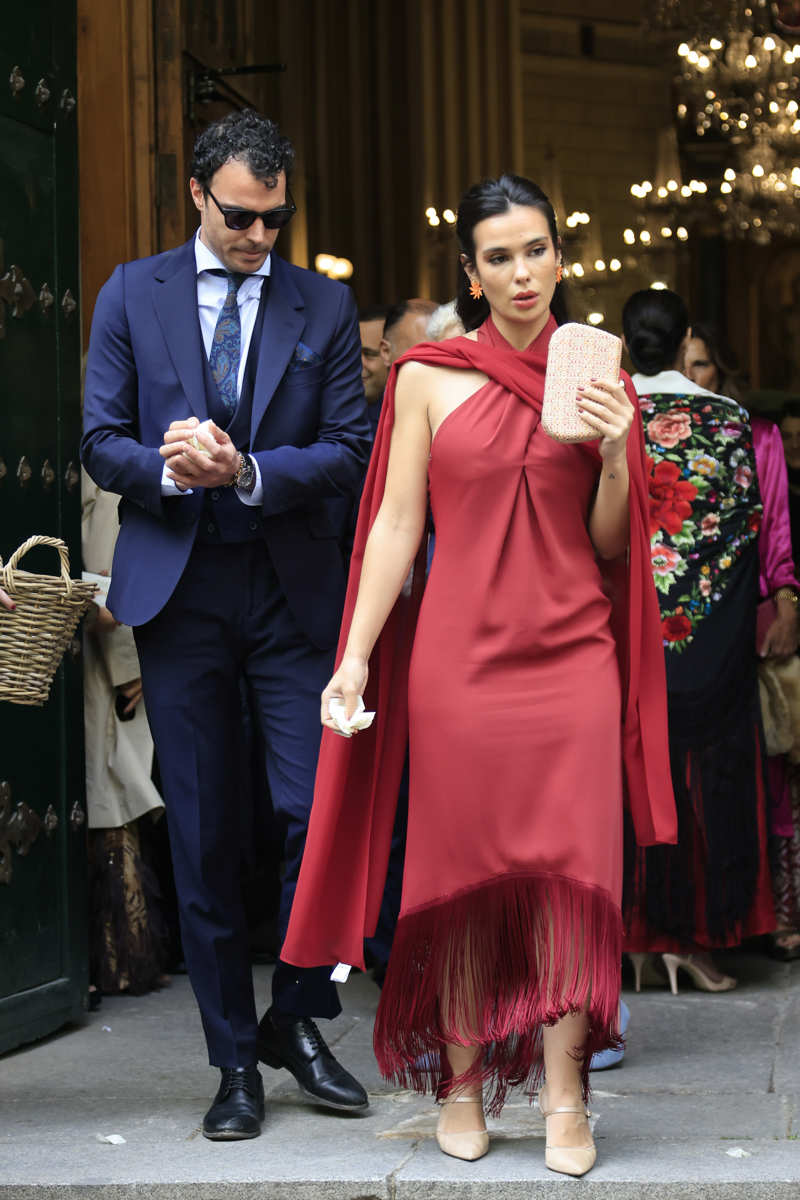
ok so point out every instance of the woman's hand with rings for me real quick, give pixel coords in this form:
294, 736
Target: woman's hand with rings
347, 684
605, 406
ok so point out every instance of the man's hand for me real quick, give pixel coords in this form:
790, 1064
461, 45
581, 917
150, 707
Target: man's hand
104, 622
189, 467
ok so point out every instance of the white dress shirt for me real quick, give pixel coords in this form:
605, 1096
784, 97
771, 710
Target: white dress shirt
211, 293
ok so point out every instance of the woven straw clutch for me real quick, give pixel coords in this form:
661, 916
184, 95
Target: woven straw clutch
577, 353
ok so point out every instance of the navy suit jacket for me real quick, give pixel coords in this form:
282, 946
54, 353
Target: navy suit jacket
309, 432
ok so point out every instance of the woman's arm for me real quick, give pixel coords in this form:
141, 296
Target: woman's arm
606, 407
394, 538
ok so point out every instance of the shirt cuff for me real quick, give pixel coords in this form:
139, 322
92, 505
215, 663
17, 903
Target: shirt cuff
254, 498
169, 487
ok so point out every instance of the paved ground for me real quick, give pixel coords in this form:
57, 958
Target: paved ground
707, 1104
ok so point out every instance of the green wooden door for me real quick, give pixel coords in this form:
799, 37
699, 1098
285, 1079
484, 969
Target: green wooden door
43, 957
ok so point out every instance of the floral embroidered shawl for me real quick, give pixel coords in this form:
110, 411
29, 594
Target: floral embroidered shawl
705, 506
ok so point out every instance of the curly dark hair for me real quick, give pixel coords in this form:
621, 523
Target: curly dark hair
245, 137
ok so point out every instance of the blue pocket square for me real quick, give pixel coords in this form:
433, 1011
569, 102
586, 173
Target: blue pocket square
304, 357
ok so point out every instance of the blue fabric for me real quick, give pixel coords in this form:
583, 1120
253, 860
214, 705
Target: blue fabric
241, 628
226, 347
309, 430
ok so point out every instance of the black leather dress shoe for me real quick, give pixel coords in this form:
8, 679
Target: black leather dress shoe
238, 1108
301, 1049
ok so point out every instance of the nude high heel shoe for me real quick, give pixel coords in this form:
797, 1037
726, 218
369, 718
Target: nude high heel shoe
568, 1160
469, 1144
645, 972
700, 977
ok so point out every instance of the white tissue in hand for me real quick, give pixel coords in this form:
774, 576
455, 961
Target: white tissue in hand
195, 441
359, 720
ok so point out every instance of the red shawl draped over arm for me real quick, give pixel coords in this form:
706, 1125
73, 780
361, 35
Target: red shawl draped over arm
342, 878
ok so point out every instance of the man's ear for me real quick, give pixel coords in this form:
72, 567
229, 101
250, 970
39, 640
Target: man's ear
198, 195
385, 352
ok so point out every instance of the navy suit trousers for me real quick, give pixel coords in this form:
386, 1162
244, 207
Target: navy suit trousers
226, 620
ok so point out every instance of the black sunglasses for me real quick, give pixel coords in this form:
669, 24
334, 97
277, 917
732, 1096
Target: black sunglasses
243, 218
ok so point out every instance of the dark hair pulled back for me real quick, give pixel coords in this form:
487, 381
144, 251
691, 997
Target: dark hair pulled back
490, 198
654, 323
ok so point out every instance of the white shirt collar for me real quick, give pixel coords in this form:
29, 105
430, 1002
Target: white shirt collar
672, 383
207, 260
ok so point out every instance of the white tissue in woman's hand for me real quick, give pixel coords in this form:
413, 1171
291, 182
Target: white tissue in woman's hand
195, 441
348, 726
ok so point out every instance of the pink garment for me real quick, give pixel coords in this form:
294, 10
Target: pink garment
775, 542
776, 569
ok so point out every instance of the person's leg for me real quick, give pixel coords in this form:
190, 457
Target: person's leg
189, 664
562, 1047
286, 675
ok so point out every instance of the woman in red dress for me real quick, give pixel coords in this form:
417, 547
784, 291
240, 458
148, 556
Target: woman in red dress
522, 730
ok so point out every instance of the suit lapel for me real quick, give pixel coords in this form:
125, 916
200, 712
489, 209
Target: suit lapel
175, 300
284, 322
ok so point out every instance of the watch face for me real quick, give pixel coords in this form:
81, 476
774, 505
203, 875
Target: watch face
247, 477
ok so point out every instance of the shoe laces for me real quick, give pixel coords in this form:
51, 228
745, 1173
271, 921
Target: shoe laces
313, 1034
238, 1078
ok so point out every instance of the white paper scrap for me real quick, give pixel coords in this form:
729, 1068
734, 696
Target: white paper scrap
340, 973
113, 1139
359, 720
739, 1152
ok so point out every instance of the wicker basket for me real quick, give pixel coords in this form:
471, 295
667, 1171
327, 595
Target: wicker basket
35, 635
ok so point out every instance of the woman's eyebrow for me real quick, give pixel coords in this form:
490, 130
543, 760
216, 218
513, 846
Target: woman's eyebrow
532, 242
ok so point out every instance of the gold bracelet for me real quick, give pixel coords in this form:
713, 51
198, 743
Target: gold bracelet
787, 593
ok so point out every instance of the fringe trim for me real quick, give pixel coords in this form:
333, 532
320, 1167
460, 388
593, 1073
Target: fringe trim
491, 966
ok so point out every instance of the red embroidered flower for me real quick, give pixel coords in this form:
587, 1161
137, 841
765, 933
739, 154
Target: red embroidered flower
669, 428
676, 629
670, 498
754, 522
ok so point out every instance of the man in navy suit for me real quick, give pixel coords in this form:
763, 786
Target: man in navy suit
224, 404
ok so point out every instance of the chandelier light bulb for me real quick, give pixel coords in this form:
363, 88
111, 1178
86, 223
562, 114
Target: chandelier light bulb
658, 286
686, 191
449, 216
770, 43
703, 62
595, 318
693, 57
726, 188
682, 110
791, 107
751, 62
788, 57
430, 211
715, 44
599, 265
662, 193
758, 170
629, 237
434, 220
666, 232
683, 50
672, 185
644, 237
795, 176
615, 264
682, 232
323, 263
578, 271
773, 106
730, 174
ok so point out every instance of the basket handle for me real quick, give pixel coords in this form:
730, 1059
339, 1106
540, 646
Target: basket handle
39, 539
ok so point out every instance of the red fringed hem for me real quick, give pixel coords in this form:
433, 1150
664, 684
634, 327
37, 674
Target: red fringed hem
491, 966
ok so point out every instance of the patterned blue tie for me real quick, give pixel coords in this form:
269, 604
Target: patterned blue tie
226, 346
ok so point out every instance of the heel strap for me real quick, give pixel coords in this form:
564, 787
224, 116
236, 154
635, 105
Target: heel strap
464, 1100
582, 1112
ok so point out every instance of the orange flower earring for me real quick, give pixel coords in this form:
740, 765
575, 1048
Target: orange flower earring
559, 273
475, 289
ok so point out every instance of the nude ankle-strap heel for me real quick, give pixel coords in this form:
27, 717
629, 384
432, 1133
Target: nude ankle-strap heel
470, 1143
568, 1160
700, 977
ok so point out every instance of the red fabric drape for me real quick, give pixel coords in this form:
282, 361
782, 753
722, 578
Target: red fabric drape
341, 882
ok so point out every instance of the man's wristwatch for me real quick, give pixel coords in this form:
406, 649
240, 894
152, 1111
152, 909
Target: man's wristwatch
244, 476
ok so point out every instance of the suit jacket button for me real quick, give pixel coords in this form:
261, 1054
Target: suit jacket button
215, 495
211, 527
254, 526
